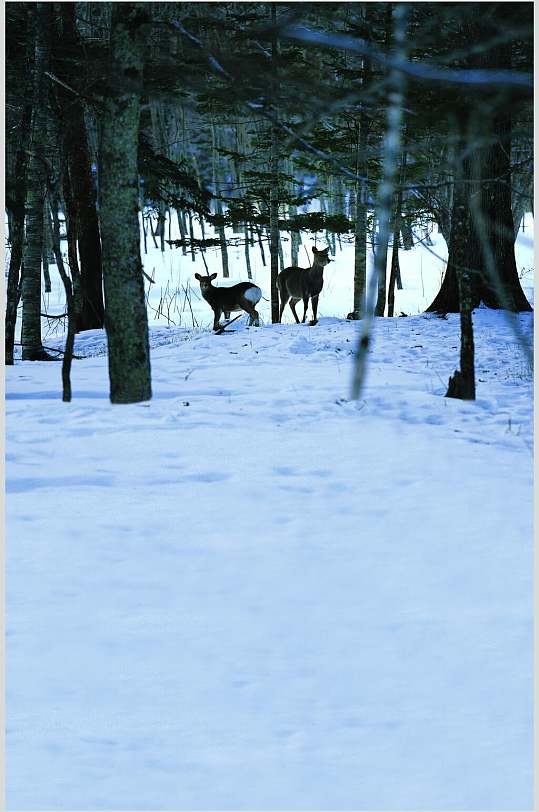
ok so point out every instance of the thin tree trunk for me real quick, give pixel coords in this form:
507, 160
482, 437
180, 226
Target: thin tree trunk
383, 234
385, 193
261, 245
274, 188
46, 251
362, 192
218, 204
126, 319
72, 299
395, 267
181, 226
294, 238
246, 248
281, 254
462, 382
192, 237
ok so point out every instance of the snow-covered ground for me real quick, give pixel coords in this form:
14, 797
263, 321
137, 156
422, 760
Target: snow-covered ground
252, 593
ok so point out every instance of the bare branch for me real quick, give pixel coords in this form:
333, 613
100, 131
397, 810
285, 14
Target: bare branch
419, 70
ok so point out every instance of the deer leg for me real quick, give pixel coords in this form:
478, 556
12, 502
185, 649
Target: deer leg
305, 306
293, 303
227, 315
254, 319
284, 300
216, 317
314, 302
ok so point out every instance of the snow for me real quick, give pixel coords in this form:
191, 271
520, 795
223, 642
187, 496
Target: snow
252, 593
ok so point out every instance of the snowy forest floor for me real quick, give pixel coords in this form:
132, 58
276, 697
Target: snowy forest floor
251, 593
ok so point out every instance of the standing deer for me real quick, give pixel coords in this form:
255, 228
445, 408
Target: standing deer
303, 283
243, 296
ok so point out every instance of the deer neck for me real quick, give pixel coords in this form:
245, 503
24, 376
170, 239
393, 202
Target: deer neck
209, 295
316, 268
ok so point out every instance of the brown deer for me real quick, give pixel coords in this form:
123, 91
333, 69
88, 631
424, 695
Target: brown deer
243, 296
303, 283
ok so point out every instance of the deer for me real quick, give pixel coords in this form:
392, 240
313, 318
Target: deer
303, 283
242, 296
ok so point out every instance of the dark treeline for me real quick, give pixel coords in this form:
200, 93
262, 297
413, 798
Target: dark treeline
394, 116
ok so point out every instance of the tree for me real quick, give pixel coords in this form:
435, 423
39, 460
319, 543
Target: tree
84, 220
20, 38
487, 176
32, 349
126, 320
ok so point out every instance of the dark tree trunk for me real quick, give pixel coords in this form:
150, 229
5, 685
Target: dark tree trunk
462, 383
361, 193
84, 217
32, 349
126, 320
17, 213
407, 235
181, 226
501, 287
394, 275
361, 188
488, 176
72, 299
274, 189
384, 234
46, 249
218, 203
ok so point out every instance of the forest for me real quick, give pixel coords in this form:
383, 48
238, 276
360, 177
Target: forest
237, 116
269, 405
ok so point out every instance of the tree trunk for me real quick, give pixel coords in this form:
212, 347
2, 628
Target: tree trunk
488, 172
32, 349
274, 188
294, 237
394, 275
218, 204
17, 215
383, 234
85, 220
46, 249
126, 320
72, 299
392, 139
181, 226
246, 248
362, 190
500, 282
462, 383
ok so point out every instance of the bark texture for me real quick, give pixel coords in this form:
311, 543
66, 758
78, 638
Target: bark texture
274, 190
362, 190
84, 219
462, 383
125, 311
17, 210
32, 349
487, 177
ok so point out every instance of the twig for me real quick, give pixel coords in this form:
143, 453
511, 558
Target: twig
54, 349
223, 328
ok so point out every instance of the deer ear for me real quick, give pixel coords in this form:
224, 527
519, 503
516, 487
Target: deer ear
198, 276
315, 250
213, 276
